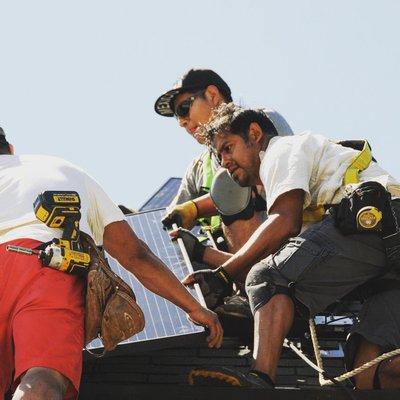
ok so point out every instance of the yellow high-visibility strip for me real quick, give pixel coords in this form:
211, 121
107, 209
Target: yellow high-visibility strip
359, 163
208, 173
215, 221
313, 215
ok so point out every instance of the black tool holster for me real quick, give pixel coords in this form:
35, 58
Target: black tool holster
371, 194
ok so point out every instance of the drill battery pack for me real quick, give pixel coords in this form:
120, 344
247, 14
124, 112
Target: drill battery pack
60, 209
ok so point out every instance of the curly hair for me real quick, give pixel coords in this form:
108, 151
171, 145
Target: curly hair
233, 119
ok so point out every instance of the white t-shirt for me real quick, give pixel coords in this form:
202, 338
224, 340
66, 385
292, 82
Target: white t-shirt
23, 178
316, 165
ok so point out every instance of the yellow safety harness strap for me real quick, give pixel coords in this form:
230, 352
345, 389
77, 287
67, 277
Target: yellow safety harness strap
359, 163
313, 214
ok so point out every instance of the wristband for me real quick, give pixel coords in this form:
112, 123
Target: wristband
224, 275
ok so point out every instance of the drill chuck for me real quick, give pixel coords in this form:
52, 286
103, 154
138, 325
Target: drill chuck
64, 259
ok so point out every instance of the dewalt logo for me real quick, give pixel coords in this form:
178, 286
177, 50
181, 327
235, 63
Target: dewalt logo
62, 198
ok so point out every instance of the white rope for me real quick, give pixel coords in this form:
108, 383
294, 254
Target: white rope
317, 351
189, 266
292, 346
347, 375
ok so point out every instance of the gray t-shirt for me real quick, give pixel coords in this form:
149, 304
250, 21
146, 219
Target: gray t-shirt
193, 180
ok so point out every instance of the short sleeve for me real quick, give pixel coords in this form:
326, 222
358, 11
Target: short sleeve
288, 165
102, 210
190, 187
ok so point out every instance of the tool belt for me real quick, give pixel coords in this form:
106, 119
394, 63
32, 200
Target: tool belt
111, 313
369, 208
391, 241
359, 163
366, 209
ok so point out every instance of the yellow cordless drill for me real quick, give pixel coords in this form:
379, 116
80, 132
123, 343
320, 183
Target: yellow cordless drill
60, 209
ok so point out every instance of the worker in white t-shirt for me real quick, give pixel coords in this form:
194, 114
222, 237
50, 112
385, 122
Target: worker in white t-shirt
308, 269
191, 101
42, 309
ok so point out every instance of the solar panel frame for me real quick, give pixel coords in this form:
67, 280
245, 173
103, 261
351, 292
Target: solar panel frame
163, 196
147, 227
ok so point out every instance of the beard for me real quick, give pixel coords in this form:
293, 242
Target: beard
242, 180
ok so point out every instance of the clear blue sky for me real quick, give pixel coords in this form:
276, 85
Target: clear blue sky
79, 78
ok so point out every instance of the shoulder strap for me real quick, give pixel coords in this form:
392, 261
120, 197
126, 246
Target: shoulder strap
359, 163
214, 222
208, 173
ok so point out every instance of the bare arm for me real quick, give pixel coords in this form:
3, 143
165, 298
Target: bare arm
284, 221
197, 251
214, 257
121, 243
205, 206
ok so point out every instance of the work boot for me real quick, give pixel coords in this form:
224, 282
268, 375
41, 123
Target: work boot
221, 376
235, 306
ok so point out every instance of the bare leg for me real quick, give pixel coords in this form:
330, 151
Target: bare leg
389, 373
41, 384
389, 370
271, 325
366, 351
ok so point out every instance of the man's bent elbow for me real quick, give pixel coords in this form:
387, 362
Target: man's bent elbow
292, 227
134, 256
121, 243
295, 230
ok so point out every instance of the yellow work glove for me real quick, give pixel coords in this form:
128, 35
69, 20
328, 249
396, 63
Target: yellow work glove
183, 215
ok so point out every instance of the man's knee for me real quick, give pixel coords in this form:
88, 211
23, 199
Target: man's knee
384, 375
389, 373
262, 284
41, 383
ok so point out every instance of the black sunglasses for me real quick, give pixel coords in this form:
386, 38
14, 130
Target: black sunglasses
182, 109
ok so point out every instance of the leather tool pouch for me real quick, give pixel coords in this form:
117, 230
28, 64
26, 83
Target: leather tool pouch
111, 313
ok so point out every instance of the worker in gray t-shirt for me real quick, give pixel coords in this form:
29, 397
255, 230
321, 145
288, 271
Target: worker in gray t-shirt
191, 101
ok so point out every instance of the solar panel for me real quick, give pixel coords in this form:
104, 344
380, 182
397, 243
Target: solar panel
163, 196
166, 324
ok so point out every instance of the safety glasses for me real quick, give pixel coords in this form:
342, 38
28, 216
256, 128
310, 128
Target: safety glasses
182, 109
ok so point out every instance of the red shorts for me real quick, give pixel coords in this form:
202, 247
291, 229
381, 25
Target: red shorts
41, 318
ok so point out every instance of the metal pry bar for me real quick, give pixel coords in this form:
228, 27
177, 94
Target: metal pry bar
190, 266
